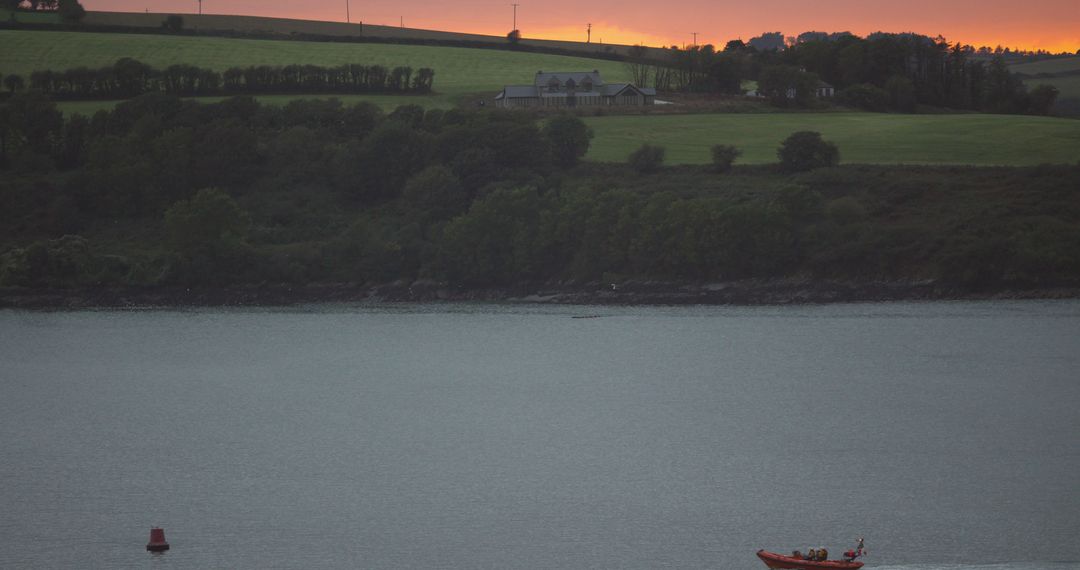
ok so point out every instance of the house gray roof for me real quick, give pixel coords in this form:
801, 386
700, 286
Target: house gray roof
615, 88
516, 91
539, 88
578, 76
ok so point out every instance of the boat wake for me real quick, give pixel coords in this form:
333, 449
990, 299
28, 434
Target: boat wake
1075, 565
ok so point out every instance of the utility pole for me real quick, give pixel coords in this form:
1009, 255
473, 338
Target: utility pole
515, 15
695, 38
588, 38
200, 7
348, 18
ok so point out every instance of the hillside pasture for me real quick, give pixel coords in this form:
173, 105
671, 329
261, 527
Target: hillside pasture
24, 17
870, 138
458, 71
1052, 66
1063, 73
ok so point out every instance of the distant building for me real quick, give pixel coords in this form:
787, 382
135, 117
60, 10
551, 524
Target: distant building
824, 90
573, 89
821, 90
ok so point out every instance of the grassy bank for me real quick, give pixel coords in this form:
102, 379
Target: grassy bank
457, 70
862, 137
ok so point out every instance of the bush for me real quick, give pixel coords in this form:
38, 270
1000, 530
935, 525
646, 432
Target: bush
647, 159
569, 137
1041, 99
805, 150
723, 156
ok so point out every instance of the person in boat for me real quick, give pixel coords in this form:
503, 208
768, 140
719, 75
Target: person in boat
811, 554
797, 554
823, 554
851, 555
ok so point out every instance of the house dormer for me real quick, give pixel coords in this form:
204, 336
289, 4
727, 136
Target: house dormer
586, 84
553, 85
570, 85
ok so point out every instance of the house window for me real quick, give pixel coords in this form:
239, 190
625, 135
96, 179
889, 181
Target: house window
586, 85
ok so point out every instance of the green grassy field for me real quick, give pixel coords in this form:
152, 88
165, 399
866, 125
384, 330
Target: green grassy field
1059, 65
1066, 74
30, 17
862, 137
457, 70
1068, 85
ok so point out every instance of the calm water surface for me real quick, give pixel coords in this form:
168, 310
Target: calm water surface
478, 436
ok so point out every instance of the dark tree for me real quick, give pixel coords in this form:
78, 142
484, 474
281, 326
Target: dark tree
1041, 99
864, 96
647, 158
723, 156
787, 85
411, 114
901, 93
769, 41
29, 122
71, 10
569, 137
805, 150
514, 37
735, 46
434, 194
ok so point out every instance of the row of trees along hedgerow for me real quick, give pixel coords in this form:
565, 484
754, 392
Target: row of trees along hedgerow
880, 72
69, 10
162, 191
129, 78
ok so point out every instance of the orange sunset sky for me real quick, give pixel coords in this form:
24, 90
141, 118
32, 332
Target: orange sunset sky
1052, 25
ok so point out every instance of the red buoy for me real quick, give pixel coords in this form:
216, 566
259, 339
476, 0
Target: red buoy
157, 540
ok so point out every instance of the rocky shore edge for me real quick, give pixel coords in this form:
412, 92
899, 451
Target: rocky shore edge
750, 292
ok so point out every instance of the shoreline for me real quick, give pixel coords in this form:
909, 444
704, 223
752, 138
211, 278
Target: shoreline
645, 293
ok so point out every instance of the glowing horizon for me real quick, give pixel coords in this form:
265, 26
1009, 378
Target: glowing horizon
1051, 25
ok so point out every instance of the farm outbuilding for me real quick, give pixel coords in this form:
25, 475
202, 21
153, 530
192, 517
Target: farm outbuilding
573, 89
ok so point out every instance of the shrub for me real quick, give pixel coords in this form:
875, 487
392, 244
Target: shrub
647, 159
723, 156
805, 150
569, 137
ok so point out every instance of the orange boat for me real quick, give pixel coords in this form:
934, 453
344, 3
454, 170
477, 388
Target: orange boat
782, 562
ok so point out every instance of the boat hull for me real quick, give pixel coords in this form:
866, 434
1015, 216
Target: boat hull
781, 562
